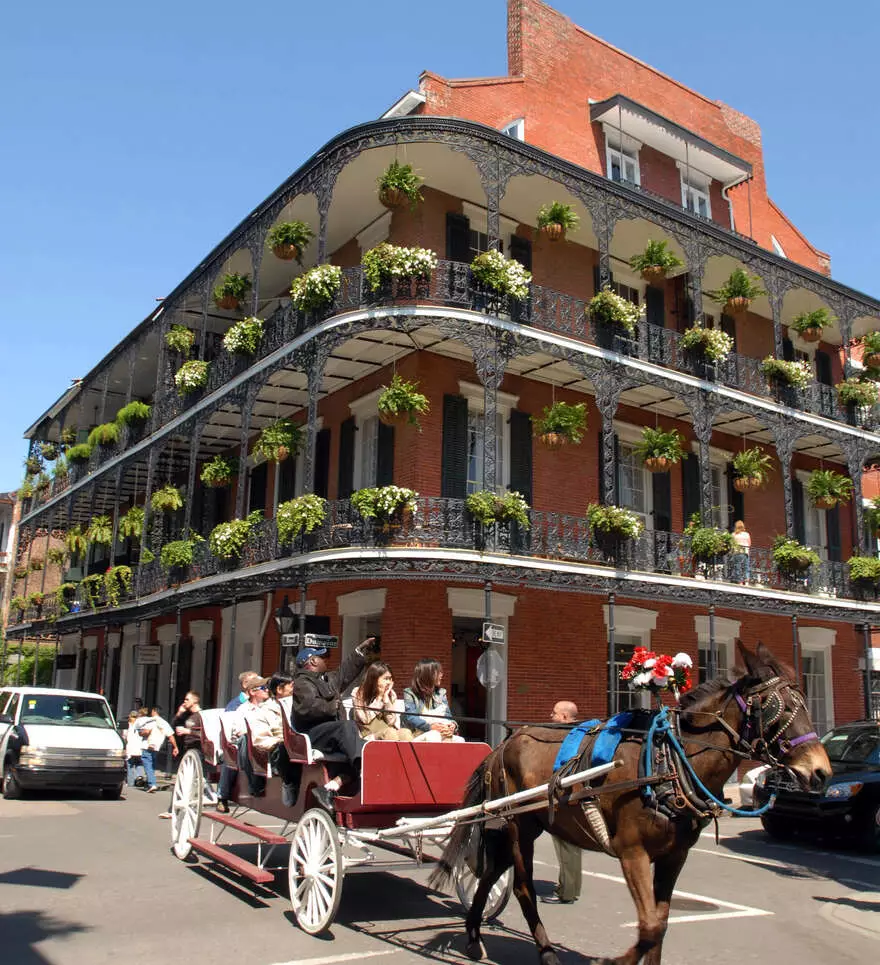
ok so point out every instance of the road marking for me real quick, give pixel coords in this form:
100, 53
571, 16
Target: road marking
332, 959
840, 856
806, 873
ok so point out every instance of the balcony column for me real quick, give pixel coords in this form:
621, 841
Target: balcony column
205, 293
323, 191
117, 486
131, 362
315, 360
703, 415
145, 533
191, 477
104, 387
604, 219
247, 410
489, 360
608, 388
845, 315
50, 521
784, 449
855, 461
162, 359
776, 295
256, 244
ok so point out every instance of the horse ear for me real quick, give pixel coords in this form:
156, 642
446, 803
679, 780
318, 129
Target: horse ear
767, 657
749, 659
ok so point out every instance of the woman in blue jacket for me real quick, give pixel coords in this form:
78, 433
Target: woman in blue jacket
425, 705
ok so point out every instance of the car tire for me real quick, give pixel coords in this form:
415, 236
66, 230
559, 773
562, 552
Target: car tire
11, 786
776, 828
870, 836
112, 793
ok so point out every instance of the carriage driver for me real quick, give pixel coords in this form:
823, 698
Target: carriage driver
317, 707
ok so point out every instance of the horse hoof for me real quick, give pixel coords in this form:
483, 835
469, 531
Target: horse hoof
475, 951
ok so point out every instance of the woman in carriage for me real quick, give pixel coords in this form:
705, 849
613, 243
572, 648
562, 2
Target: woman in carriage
376, 708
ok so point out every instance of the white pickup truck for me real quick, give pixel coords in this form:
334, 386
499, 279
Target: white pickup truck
62, 739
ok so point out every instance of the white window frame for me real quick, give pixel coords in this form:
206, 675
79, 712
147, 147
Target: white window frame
629, 621
478, 223
629, 435
698, 183
505, 403
817, 516
515, 129
355, 609
727, 632
624, 148
820, 641
363, 410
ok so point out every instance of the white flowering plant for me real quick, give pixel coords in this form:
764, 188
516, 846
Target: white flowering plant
609, 308
191, 376
713, 343
503, 275
386, 262
244, 337
299, 515
648, 670
227, 540
383, 502
316, 288
614, 521
797, 374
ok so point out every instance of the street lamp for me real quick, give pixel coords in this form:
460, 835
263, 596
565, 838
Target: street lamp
285, 618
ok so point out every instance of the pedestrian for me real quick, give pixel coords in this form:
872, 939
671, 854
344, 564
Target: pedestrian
186, 727
133, 750
742, 541
568, 889
154, 731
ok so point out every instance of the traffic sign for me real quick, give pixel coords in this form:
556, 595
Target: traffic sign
319, 640
494, 633
289, 639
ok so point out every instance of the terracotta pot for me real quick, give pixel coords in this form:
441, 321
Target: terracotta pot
281, 453
553, 440
811, 334
826, 502
392, 197
653, 274
871, 360
219, 483
227, 302
554, 232
736, 306
743, 483
286, 252
658, 464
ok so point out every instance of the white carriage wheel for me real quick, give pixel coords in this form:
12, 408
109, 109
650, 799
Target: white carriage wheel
315, 871
499, 894
186, 803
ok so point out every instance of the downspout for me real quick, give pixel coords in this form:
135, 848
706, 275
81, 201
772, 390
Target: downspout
266, 615
725, 188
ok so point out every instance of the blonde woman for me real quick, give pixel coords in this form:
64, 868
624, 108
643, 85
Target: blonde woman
742, 542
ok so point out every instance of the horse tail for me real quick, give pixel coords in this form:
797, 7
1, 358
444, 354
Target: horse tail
458, 847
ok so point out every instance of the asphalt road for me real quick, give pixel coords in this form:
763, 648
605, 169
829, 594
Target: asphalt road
90, 881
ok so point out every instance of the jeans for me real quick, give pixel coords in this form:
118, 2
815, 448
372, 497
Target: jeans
131, 766
148, 757
741, 567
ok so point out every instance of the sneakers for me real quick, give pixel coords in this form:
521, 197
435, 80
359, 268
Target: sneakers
152, 789
556, 900
165, 815
222, 806
325, 797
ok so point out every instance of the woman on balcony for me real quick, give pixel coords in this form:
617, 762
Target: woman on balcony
426, 707
742, 541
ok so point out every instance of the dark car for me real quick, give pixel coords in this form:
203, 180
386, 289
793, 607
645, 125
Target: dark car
848, 806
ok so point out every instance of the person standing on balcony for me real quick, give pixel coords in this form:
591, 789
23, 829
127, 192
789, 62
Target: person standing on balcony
741, 544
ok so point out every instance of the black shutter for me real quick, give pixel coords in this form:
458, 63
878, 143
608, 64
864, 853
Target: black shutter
823, 368
615, 496
286, 480
345, 480
832, 526
690, 486
258, 480
662, 499
797, 492
322, 463
728, 326
521, 454
788, 350
735, 499
458, 237
521, 251
655, 308
385, 455
453, 484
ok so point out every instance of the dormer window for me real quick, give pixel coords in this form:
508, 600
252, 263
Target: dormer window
515, 129
695, 193
623, 165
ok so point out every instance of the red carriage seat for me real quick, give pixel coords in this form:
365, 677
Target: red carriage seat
298, 746
211, 736
259, 758
230, 752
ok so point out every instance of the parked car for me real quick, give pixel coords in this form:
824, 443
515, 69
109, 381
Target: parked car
848, 806
62, 739
747, 786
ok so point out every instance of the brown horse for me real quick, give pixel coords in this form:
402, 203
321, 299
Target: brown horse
759, 716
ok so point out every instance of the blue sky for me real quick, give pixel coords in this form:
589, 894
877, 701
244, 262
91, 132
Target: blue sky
136, 136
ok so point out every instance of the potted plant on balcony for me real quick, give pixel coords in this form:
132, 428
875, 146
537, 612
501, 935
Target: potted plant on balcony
100, 531
316, 289
55, 556
615, 522
486, 507
117, 584
18, 604
655, 261
64, 597
400, 403
60, 471
827, 488
105, 435
68, 435
303, 514
278, 440
35, 564
660, 450
133, 414
562, 423
177, 556
131, 526
227, 540
231, 290
20, 571
166, 499
244, 337
41, 485
79, 454
76, 542
864, 572
555, 219
49, 451
610, 310
289, 239
711, 344
91, 589
797, 375
809, 325
387, 263
872, 517
180, 339
792, 557
751, 469
708, 544
856, 392
218, 472
35, 601
33, 465
384, 503
191, 376
501, 276
738, 292
870, 343
398, 184
26, 489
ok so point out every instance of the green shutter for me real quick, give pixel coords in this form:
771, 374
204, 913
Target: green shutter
521, 454
286, 479
655, 306
322, 463
797, 492
521, 251
458, 237
385, 455
345, 480
690, 486
832, 526
662, 501
453, 483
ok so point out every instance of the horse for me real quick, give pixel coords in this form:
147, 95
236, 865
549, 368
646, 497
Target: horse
759, 715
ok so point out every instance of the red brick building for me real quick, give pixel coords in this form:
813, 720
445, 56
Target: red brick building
638, 158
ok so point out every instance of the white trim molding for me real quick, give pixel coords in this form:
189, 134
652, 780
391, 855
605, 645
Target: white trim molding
362, 602
726, 631
632, 621
472, 603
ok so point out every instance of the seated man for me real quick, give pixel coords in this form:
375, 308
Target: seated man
317, 709
255, 688
267, 733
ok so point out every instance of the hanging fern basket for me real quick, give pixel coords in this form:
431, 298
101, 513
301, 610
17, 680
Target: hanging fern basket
871, 360
826, 502
811, 334
658, 464
744, 483
227, 302
737, 306
392, 197
553, 231
396, 419
653, 274
286, 252
553, 440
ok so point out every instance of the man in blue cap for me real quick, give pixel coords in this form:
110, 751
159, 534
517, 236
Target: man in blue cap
317, 706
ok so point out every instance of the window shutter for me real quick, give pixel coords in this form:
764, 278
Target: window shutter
453, 483
521, 251
615, 496
823, 367
286, 479
655, 308
662, 500
257, 494
690, 486
322, 463
728, 326
521, 454
385, 455
345, 482
735, 499
458, 240
832, 526
797, 491
788, 350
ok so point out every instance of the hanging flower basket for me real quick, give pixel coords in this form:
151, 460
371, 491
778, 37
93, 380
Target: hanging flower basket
288, 239
562, 423
658, 464
231, 291
871, 360
811, 334
737, 305
401, 403
655, 261
653, 275
743, 483
553, 440
553, 232
826, 502
392, 197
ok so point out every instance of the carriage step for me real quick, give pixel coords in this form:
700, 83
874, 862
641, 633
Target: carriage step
269, 837
229, 860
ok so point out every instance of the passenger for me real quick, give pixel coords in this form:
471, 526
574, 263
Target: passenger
266, 729
255, 688
425, 706
376, 709
241, 697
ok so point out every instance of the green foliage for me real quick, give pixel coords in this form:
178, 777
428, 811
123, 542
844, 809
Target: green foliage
76, 542
713, 343
131, 526
33, 465
180, 339
753, 463
864, 568
135, 413
872, 516
790, 556
227, 540
35, 564
244, 337
41, 483
219, 471
296, 233
60, 470
820, 318
797, 374
147, 555
20, 572
659, 444
503, 275
487, 507
36, 600
68, 435
55, 556
614, 521
91, 590
18, 603
100, 531
386, 262
63, 596
871, 343
26, 489
403, 178
106, 434
279, 440
558, 213
655, 255
826, 484
167, 499
403, 398
740, 284
383, 502
233, 285
178, 554
117, 582
79, 453
300, 515
609, 308
855, 391
23, 669
315, 289
564, 419
191, 376
707, 543
49, 451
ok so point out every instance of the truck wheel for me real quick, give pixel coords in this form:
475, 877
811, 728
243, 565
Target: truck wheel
11, 787
112, 793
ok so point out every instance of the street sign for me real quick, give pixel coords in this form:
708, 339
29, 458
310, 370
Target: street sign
289, 639
494, 633
319, 640
149, 654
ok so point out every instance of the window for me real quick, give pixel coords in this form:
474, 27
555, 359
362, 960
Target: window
720, 497
696, 199
626, 291
624, 645
703, 659
777, 247
623, 165
367, 450
815, 523
475, 450
515, 129
633, 484
479, 242
813, 664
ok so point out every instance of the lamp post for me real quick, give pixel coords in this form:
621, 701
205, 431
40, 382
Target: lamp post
285, 619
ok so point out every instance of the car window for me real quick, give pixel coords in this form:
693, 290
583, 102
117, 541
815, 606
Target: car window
848, 747
13, 706
4, 697
67, 710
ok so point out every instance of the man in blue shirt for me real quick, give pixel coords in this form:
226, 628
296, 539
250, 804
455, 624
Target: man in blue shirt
236, 702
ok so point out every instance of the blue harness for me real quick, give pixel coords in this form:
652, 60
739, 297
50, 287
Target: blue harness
606, 743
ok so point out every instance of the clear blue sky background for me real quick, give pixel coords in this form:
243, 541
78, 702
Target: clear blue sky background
136, 135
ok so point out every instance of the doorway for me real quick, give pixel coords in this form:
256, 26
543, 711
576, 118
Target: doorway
467, 696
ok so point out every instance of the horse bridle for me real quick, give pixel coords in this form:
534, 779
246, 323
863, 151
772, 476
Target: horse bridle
766, 718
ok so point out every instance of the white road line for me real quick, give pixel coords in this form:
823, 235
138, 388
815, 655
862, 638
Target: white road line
840, 856
332, 959
807, 873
